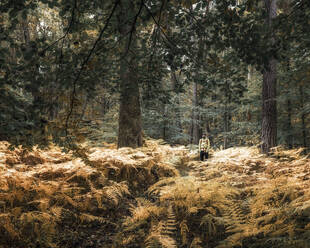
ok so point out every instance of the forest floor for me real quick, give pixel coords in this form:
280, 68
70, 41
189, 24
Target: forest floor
153, 196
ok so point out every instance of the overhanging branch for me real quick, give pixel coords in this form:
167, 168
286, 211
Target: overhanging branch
85, 61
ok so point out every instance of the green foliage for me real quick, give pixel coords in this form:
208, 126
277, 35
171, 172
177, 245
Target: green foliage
54, 69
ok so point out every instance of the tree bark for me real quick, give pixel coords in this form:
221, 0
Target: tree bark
250, 72
269, 94
289, 139
269, 111
165, 122
303, 118
195, 115
130, 120
227, 116
191, 130
226, 129
174, 81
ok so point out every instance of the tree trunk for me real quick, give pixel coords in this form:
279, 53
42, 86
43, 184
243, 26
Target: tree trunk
130, 120
304, 133
249, 73
227, 115
303, 118
191, 129
289, 124
269, 108
25, 30
200, 57
289, 138
269, 111
174, 81
226, 128
195, 116
165, 122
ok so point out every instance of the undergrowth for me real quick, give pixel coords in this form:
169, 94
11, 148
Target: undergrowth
154, 196
52, 199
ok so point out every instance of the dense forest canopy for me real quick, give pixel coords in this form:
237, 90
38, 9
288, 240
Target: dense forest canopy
125, 69
103, 106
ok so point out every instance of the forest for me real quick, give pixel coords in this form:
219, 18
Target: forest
103, 105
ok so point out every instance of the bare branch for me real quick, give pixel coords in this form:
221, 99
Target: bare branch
133, 27
85, 62
67, 31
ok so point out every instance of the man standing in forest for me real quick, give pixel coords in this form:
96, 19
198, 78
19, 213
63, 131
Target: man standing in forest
204, 146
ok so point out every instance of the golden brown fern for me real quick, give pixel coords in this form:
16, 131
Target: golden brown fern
184, 230
196, 243
170, 225
158, 238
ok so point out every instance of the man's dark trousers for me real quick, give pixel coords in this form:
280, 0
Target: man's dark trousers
203, 155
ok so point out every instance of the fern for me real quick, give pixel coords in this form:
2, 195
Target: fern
196, 243
8, 226
184, 230
170, 226
88, 218
158, 238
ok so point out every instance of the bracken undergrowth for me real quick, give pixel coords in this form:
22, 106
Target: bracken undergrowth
153, 196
